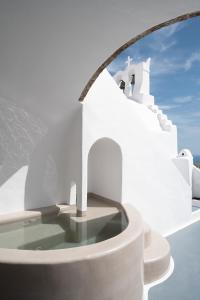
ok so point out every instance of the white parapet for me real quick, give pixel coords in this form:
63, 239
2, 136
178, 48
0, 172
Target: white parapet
184, 162
195, 182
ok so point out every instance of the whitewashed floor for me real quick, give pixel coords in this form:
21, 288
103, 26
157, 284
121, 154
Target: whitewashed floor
184, 282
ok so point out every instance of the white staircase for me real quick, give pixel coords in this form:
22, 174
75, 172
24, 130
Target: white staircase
165, 123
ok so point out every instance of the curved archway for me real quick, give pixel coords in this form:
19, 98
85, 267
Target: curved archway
105, 169
129, 43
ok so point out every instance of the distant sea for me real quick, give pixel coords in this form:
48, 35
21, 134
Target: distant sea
196, 159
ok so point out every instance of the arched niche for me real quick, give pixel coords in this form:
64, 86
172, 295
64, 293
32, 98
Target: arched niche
105, 169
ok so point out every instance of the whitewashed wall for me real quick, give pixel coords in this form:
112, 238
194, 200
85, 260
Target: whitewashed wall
38, 160
150, 179
48, 51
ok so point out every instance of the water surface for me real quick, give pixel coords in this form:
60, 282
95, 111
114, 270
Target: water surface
60, 231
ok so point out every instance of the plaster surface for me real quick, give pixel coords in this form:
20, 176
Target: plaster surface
42, 75
150, 180
183, 284
100, 271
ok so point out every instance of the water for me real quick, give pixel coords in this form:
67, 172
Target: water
60, 232
196, 159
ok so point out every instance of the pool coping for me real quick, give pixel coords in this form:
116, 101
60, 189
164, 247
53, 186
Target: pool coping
87, 252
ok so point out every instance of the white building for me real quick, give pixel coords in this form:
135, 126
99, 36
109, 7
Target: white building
55, 149
130, 150
128, 154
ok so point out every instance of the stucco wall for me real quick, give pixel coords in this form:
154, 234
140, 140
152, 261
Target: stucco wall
38, 161
151, 181
48, 51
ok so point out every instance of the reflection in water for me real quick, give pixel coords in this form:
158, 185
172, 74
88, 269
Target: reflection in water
60, 231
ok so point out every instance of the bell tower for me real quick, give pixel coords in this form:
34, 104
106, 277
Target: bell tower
137, 81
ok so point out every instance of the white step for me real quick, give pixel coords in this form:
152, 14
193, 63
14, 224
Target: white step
156, 256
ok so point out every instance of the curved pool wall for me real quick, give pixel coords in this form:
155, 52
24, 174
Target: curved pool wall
112, 269
64, 229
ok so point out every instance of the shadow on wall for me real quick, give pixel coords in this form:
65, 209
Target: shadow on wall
105, 169
20, 131
54, 163
25, 140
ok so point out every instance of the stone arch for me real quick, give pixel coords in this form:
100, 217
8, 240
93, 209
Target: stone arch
105, 169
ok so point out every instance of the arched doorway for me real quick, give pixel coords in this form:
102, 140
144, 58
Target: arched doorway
105, 169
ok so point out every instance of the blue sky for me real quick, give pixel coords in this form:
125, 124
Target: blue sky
175, 75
